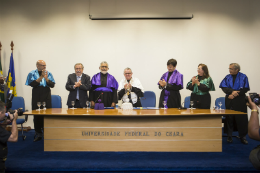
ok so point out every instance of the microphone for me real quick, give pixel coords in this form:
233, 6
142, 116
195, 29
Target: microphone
98, 97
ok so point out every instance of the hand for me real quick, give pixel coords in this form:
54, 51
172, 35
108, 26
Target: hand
2, 80
193, 80
113, 104
77, 84
45, 74
15, 115
235, 93
92, 103
129, 85
231, 97
11, 116
197, 81
251, 104
125, 86
162, 83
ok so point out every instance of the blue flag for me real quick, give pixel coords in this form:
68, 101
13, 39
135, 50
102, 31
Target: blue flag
10, 81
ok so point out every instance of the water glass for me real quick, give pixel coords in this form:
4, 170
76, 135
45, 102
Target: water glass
44, 104
164, 104
72, 103
191, 104
39, 105
87, 103
220, 104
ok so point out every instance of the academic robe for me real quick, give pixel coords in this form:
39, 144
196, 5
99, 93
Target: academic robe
41, 92
229, 84
200, 94
171, 92
135, 94
104, 87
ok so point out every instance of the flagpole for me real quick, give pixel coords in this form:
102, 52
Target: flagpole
12, 46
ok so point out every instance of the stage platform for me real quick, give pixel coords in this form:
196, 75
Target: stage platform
28, 157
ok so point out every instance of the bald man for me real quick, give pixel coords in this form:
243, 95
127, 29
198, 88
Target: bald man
41, 81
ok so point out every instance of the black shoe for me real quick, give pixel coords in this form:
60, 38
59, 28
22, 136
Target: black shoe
37, 138
243, 141
229, 139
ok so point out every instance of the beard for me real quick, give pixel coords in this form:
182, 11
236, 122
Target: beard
103, 72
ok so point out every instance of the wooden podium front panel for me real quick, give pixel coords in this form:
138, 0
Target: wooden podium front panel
149, 133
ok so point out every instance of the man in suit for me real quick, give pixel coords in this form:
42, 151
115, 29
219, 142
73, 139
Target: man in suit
78, 84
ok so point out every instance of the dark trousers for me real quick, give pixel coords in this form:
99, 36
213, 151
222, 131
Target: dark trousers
241, 122
77, 104
38, 124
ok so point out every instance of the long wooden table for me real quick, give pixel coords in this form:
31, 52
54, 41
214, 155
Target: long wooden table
162, 130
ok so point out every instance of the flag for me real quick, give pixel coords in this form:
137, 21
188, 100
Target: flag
2, 93
10, 81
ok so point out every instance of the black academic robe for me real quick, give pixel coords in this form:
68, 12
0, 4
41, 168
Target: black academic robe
137, 91
174, 100
40, 94
200, 101
236, 122
107, 97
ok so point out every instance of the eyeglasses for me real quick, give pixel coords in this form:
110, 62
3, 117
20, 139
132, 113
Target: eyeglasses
103, 66
128, 73
231, 68
78, 68
43, 65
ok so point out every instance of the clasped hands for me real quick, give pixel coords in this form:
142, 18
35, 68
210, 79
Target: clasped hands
127, 86
77, 84
195, 80
233, 94
44, 74
162, 83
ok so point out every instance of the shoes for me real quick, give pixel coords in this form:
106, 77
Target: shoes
37, 138
243, 140
229, 139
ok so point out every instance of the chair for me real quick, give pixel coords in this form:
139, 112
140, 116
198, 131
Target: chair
222, 100
187, 102
56, 101
223, 106
149, 99
18, 102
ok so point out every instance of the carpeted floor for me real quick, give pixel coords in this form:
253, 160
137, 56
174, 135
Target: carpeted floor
28, 156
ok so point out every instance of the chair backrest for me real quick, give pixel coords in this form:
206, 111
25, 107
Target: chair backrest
222, 100
187, 102
18, 102
149, 99
56, 101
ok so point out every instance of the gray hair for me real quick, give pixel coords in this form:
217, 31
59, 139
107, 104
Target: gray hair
104, 62
236, 66
127, 68
79, 64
